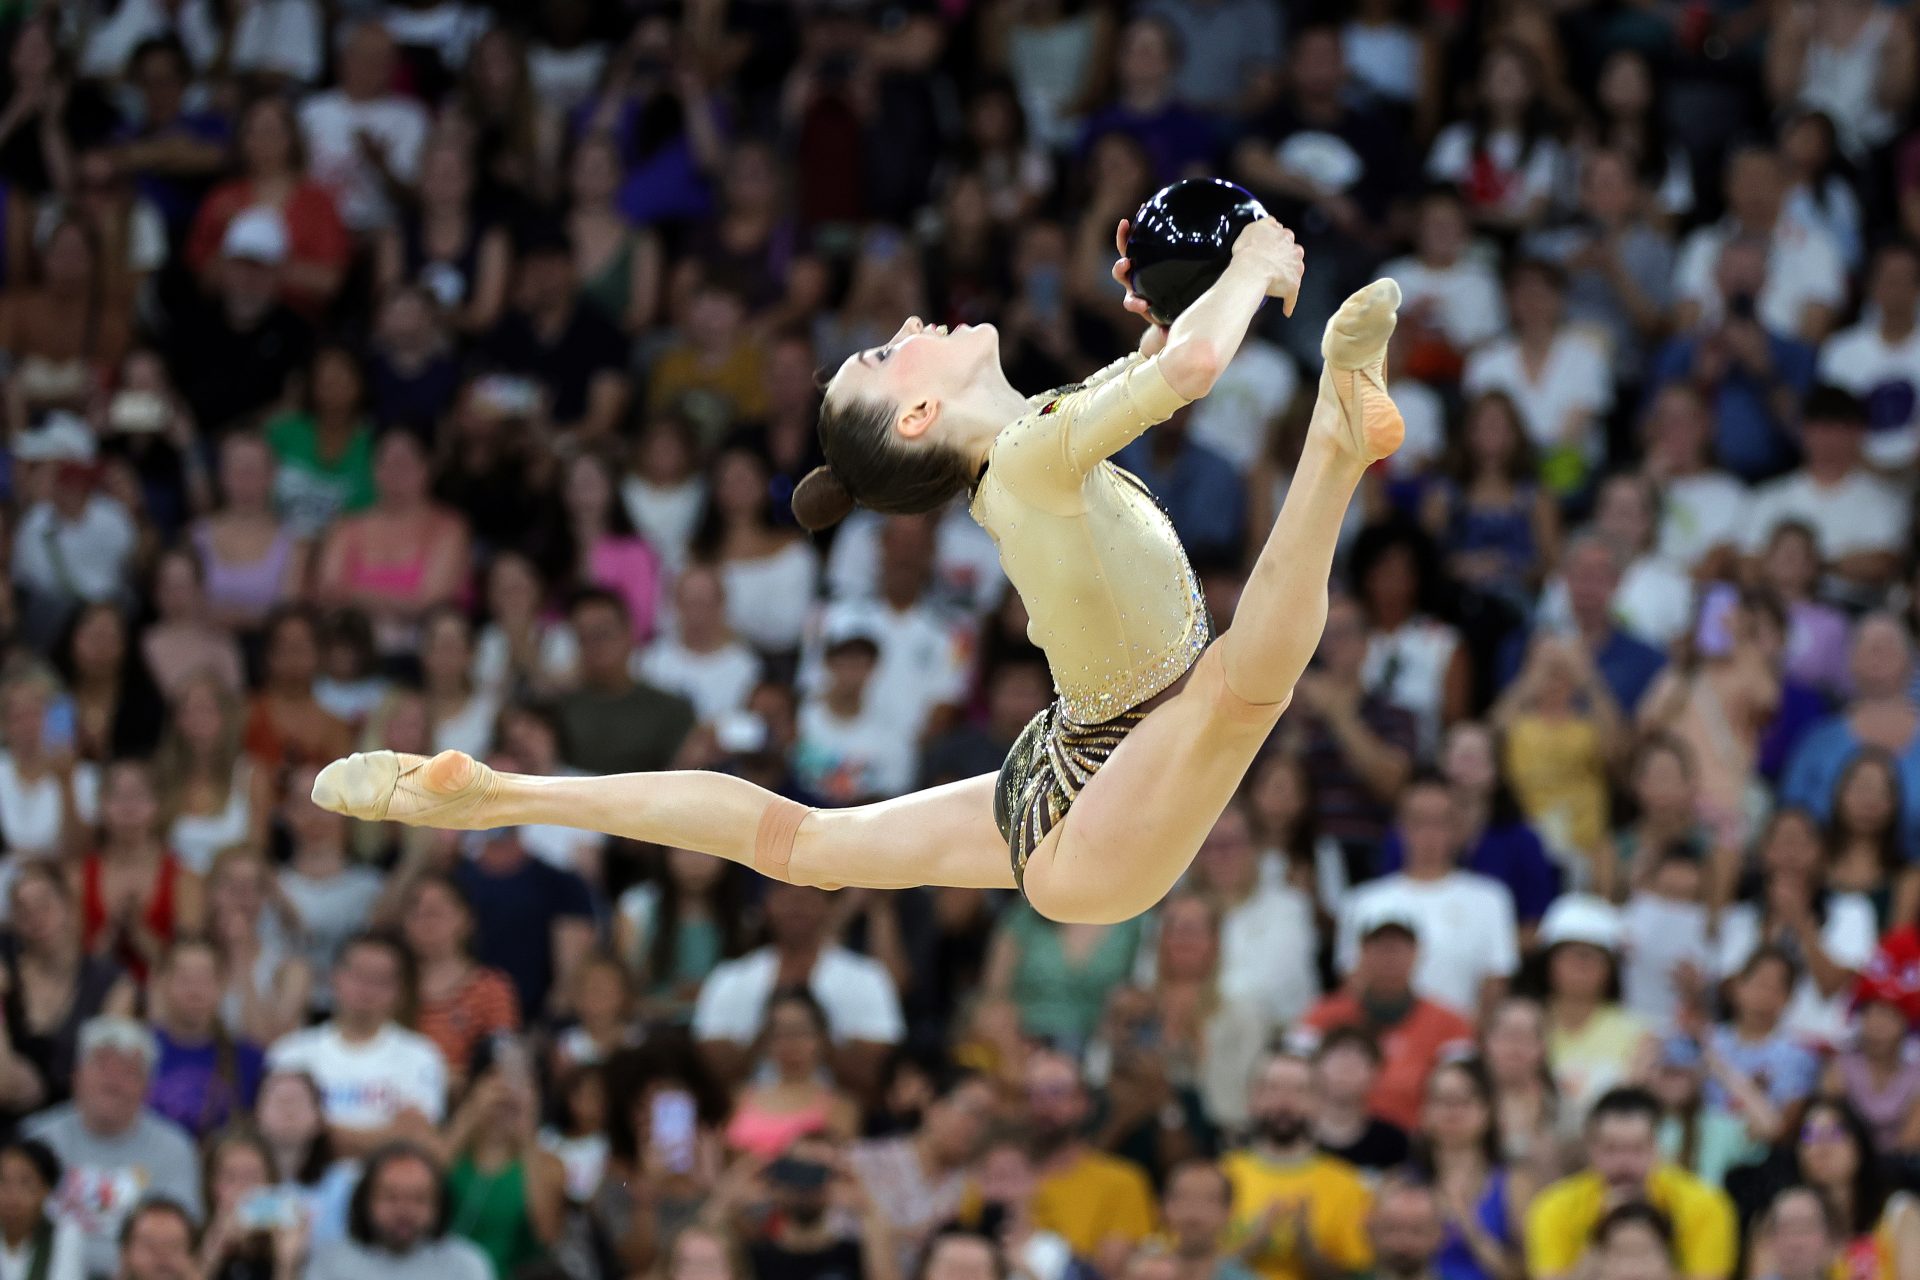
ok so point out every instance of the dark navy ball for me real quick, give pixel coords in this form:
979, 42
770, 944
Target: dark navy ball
1182, 239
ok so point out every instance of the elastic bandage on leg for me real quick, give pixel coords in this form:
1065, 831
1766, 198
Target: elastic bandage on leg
773, 841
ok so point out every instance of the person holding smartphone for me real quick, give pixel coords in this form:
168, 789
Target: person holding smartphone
509, 1195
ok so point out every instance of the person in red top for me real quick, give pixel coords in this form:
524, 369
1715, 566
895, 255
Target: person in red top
1413, 1034
273, 176
458, 1004
135, 897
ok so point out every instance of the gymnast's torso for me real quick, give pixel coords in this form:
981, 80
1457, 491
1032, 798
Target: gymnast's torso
1113, 601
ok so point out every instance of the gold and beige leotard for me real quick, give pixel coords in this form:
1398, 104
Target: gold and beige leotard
1112, 599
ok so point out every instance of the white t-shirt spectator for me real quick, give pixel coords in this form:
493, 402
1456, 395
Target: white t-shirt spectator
449, 29
1267, 949
856, 993
1848, 935
1657, 936
849, 759
1860, 513
1887, 377
926, 657
1654, 601
769, 598
110, 45
280, 37
83, 559
966, 564
1452, 161
1803, 268
1576, 379
715, 683
332, 123
1467, 304
367, 1086
1700, 512
1234, 418
1465, 924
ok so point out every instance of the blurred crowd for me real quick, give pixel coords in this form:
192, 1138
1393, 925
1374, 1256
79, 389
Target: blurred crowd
435, 374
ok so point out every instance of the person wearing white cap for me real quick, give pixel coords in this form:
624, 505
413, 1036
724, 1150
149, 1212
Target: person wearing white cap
852, 746
232, 357
1593, 1043
114, 1149
76, 545
1469, 940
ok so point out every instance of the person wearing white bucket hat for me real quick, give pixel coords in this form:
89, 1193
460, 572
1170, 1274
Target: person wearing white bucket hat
1593, 1043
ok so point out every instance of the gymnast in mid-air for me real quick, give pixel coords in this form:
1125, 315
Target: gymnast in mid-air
1104, 799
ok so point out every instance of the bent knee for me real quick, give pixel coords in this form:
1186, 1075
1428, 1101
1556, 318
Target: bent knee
1208, 683
1072, 892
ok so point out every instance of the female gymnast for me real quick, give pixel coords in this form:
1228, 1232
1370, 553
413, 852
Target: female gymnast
1104, 799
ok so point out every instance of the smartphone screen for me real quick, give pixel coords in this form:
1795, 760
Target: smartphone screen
673, 1129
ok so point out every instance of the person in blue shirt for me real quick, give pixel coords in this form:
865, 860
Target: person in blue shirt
1754, 379
1627, 663
1201, 492
1881, 714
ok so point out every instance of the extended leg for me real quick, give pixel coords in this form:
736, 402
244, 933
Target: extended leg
1277, 622
944, 836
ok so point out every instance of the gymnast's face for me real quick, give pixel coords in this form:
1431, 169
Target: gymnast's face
926, 371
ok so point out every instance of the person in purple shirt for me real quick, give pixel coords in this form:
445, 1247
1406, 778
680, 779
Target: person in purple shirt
1881, 714
1498, 842
1146, 107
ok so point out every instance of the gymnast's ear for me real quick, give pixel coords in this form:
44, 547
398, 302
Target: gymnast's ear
820, 501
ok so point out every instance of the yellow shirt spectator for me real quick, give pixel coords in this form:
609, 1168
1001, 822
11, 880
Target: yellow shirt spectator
1561, 1221
1337, 1203
1101, 1198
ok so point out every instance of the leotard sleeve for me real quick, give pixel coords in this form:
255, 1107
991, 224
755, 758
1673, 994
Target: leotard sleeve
1058, 443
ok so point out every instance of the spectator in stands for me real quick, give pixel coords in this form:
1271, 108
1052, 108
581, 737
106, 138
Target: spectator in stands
1346, 1070
1357, 746
920, 1179
157, 1243
1407, 1230
1624, 1166
1858, 519
113, 1150
1702, 509
1197, 1207
1804, 280
378, 1081
246, 344
858, 995
1879, 714
567, 348
1101, 1205
398, 1225
33, 1239
1413, 1033
1625, 662
1465, 970
204, 1078
1299, 1210
1878, 359
1268, 937
612, 723
533, 921
363, 138
1450, 298
1593, 1044
1556, 373
271, 164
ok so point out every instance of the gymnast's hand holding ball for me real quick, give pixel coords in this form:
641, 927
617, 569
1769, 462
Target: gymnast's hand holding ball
1263, 247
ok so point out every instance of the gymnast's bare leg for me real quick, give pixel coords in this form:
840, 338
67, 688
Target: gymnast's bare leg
1132, 831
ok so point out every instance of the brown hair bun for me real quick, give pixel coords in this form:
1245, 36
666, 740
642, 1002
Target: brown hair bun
820, 501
